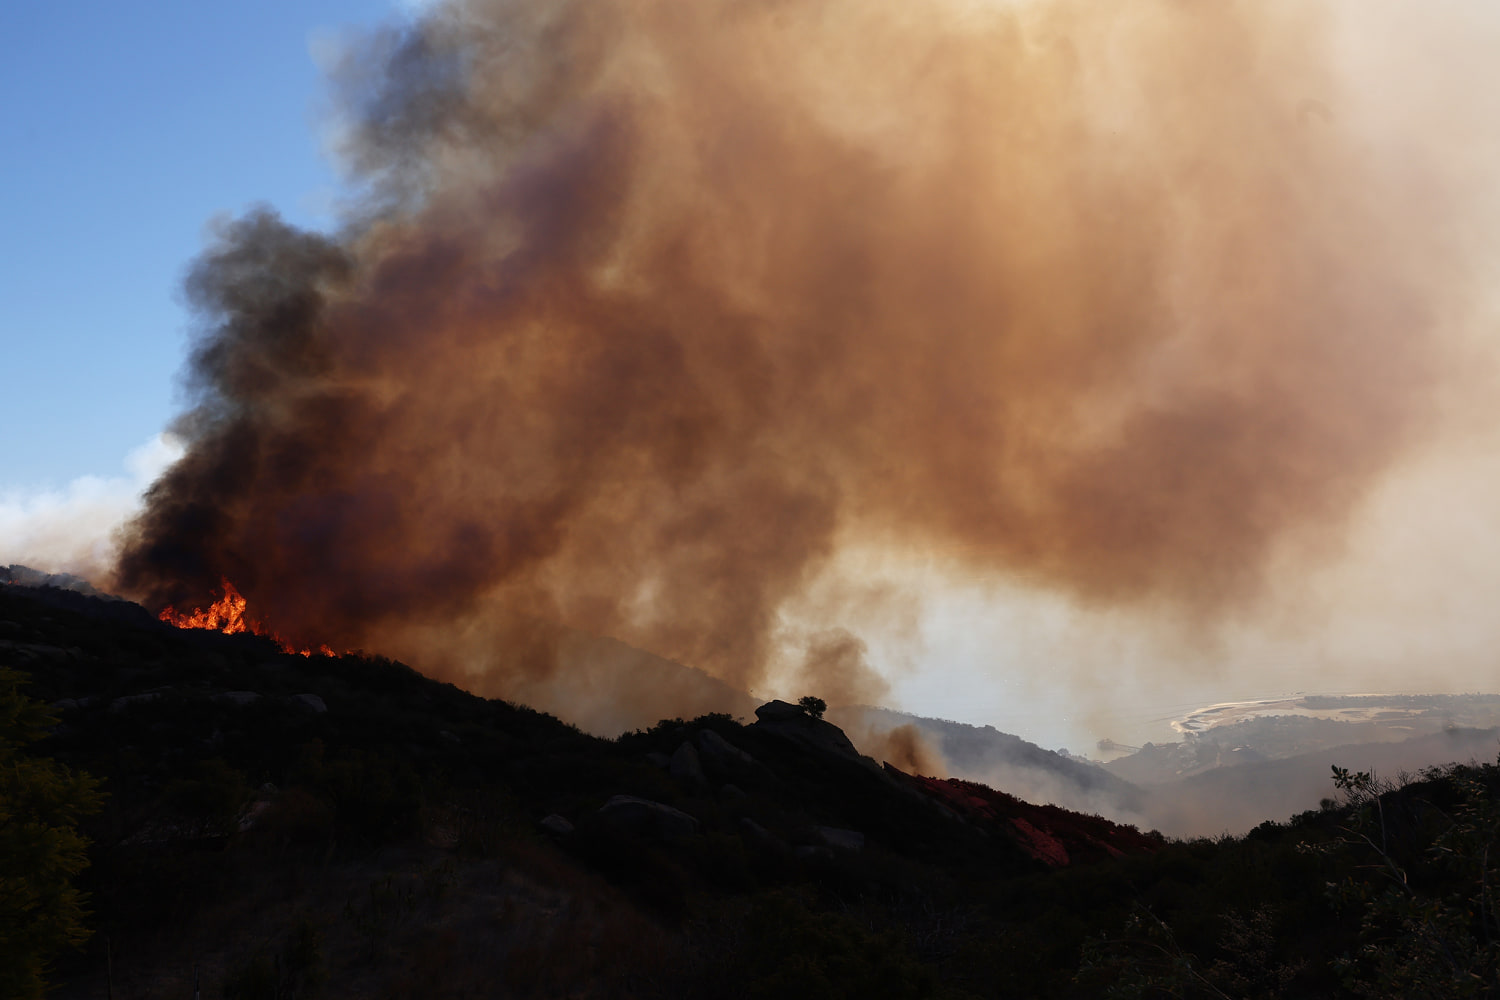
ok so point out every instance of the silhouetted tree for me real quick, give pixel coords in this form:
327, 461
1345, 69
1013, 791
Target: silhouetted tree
814, 707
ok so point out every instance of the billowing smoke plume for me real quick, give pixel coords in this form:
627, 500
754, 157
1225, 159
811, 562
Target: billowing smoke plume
905, 747
653, 307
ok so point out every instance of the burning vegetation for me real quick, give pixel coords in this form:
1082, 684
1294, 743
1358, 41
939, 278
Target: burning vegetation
227, 615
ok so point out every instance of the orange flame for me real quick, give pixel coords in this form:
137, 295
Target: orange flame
227, 615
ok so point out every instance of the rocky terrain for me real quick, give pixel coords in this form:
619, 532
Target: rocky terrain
275, 825
251, 792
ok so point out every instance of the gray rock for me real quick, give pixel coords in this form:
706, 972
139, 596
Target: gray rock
686, 767
557, 825
760, 835
723, 761
716, 749
842, 840
34, 650
809, 853
65, 705
252, 814
732, 793
237, 698
123, 703
779, 711
312, 701
753, 828
627, 815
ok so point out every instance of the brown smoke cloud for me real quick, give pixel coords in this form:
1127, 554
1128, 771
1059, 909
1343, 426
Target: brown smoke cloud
651, 308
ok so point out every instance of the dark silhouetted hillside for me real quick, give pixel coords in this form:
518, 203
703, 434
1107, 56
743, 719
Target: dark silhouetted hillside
345, 827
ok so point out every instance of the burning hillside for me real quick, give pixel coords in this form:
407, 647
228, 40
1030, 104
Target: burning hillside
228, 614
652, 309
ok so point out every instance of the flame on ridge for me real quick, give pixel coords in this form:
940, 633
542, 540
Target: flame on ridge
227, 615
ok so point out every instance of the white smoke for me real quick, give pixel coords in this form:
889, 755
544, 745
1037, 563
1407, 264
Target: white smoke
71, 530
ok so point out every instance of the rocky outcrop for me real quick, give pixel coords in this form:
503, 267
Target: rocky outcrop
776, 710
792, 723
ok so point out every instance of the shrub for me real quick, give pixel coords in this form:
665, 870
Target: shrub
295, 970
814, 707
41, 850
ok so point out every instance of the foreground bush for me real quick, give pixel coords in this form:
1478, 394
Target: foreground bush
41, 851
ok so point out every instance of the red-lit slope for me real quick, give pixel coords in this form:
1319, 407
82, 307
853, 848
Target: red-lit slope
1051, 834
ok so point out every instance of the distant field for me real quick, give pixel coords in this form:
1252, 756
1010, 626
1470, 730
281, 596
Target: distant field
1405, 713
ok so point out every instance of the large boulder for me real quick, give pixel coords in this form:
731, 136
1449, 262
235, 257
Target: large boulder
37, 651
780, 711
557, 826
129, 701
686, 767
643, 819
311, 702
722, 759
758, 836
711, 744
842, 840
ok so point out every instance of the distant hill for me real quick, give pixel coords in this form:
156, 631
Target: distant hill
1240, 763
1244, 789
28, 577
1003, 761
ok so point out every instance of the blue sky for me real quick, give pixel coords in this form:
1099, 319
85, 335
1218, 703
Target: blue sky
126, 129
